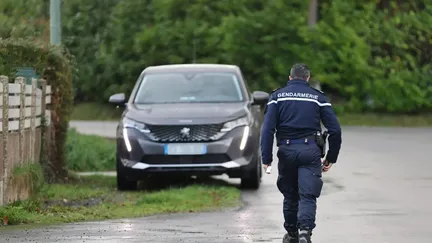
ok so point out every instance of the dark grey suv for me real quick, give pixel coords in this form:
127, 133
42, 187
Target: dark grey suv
190, 119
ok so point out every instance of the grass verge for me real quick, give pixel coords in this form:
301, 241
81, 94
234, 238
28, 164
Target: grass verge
95, 111
371, 119
96, 198
89, 152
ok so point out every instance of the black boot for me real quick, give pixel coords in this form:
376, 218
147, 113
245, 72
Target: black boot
305, 236
291, 237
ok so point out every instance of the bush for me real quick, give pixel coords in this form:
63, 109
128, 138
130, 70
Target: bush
89, 152
373, 59
55, 65
84, 31
17, 19
367, 57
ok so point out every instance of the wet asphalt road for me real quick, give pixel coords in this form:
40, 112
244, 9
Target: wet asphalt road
380, 191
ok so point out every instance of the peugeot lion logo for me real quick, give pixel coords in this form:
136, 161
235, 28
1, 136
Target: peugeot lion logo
185, 132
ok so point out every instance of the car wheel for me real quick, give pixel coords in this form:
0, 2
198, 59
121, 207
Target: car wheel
123, 184
260, 165
252, 179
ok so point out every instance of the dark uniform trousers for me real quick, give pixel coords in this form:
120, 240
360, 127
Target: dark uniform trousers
300, 183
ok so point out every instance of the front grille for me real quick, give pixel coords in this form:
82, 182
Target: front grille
192, 133
186, 159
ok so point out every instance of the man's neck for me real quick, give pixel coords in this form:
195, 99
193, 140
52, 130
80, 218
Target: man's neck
301, 81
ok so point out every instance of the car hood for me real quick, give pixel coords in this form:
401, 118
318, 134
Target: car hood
187, 113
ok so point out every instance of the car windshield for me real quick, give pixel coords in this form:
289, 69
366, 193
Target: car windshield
189, 88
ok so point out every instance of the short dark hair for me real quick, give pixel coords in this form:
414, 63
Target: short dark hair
300, 71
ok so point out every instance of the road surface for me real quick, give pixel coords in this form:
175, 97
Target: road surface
102, 128
379, 191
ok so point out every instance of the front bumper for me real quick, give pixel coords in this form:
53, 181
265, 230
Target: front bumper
139, 157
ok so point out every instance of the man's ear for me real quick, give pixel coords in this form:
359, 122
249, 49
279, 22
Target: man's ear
290, 78
307, 79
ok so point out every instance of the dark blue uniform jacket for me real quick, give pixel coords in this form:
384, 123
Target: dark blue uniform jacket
296, 111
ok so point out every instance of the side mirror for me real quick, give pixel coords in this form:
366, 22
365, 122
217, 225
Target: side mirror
260, 97
117, 99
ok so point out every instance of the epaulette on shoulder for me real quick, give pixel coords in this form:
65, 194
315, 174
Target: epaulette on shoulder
318, 90
275, 90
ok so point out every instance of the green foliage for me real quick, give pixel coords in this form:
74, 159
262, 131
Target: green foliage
89, 152
55, 65
366, 56
84, 31
93, 111
378, 56
24, 18
262, 43
28, 176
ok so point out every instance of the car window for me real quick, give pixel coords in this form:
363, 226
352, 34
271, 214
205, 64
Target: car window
189, 87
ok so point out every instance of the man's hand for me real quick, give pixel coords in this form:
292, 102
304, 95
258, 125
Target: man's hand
326, 166
266, 166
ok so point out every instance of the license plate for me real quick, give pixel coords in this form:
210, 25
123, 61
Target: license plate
185, 149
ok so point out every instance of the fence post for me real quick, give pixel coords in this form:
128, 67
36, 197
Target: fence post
5, 133
33, 120
42, 84
21, 82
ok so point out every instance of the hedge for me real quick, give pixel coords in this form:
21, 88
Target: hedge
374, 59
55, 65
367, 58
368, 55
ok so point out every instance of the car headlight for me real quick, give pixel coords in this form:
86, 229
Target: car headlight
128, 123
228, 126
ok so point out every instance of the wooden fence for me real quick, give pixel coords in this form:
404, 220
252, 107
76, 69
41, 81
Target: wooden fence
23, 107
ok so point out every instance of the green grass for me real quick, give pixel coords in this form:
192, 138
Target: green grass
94, 111
95, 198
89, 152
27, 176
370, 119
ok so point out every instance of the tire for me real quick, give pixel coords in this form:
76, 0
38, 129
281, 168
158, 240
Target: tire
123, 184
252, 179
